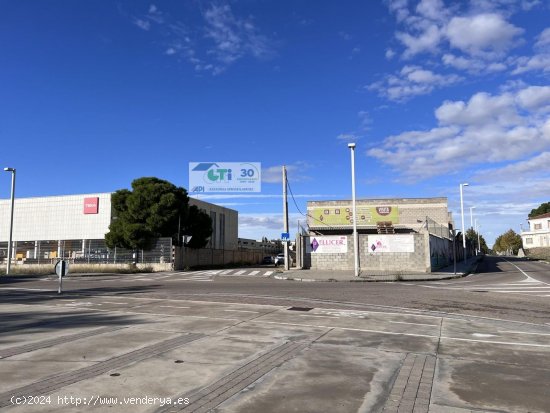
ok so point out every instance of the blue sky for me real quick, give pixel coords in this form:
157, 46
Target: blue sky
95, 94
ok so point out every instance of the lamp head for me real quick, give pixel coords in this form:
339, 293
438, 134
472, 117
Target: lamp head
9, 169
351, 145
465, 185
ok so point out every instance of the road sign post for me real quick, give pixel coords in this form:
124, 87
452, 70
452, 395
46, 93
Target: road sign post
61, 269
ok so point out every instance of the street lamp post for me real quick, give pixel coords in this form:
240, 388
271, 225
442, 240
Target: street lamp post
478, 243
355, 237
462, 215
12, 170
472, 216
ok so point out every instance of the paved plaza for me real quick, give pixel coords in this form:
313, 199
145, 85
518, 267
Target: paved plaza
126, 351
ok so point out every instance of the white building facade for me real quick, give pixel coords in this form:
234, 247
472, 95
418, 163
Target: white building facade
539, 232
74, 226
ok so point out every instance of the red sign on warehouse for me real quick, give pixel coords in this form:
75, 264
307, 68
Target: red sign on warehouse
91, 205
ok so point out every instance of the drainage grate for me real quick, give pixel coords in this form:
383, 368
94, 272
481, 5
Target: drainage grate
300, 308
480, 291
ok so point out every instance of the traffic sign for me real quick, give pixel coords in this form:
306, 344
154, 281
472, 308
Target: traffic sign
62, 268
285, 236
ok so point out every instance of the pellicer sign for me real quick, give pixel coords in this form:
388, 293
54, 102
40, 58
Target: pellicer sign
225, 177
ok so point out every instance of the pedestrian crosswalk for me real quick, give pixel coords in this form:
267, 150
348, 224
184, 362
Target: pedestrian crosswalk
527, 286
209, 275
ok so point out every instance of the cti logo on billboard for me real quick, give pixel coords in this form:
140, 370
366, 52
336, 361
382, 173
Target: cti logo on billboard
225, 176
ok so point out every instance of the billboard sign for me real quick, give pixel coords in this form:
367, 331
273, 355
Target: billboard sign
341, 216
327, 245
391, 243
226, 177
91, 205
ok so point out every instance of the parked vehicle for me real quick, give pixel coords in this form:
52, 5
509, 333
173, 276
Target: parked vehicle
279, 259
268, 260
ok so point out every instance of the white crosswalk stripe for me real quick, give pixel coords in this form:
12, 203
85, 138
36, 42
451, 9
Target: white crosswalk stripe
526, 287
245, 273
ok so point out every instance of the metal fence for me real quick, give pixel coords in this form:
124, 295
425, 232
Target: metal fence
439, 230
89, 251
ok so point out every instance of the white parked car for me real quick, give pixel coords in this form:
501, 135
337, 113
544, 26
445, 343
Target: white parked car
279, 259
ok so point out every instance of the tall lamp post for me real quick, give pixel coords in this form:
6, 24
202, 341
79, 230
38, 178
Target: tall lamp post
355, 237
462, 215
472, 216
12, 170
477, 232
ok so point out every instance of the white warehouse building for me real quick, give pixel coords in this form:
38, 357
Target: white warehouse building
74, 225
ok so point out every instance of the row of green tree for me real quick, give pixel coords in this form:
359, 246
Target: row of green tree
155, 208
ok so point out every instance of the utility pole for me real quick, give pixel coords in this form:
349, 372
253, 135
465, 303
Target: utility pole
462, 215
285, 220
10, 241
351, 146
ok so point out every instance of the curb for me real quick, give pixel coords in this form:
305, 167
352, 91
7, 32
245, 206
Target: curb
470, 270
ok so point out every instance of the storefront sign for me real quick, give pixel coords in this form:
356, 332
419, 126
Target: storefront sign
391, 243
327, 245
91, 205
225, 177
342, 216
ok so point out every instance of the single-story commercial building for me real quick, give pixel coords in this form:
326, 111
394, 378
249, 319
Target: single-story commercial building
395, 235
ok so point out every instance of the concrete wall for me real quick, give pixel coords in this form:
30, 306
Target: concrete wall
430, 254
417, 261
441, 252
188, 257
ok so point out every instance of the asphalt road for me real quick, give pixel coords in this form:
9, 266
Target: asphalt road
502, 288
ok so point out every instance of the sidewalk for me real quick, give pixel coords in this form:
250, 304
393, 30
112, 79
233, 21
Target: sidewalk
462, 269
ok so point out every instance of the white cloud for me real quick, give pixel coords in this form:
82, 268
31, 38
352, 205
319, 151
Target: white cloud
543, 39
270, 224
476, 37
426, 41
365, 120
540, 60
432, 9
223, 39
482, 34
534, 97
348, 137
233, 37
537, 166
295, 173
412, 81
484, 129
142, 24
536, 62
472, 65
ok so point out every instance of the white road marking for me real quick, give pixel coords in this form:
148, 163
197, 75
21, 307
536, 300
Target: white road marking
268, 273
529, 278
416, 324
404, 334
25, 289
240, 272
523, 332
243, 311
254, 272
172, 306
225, 272
483, 335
